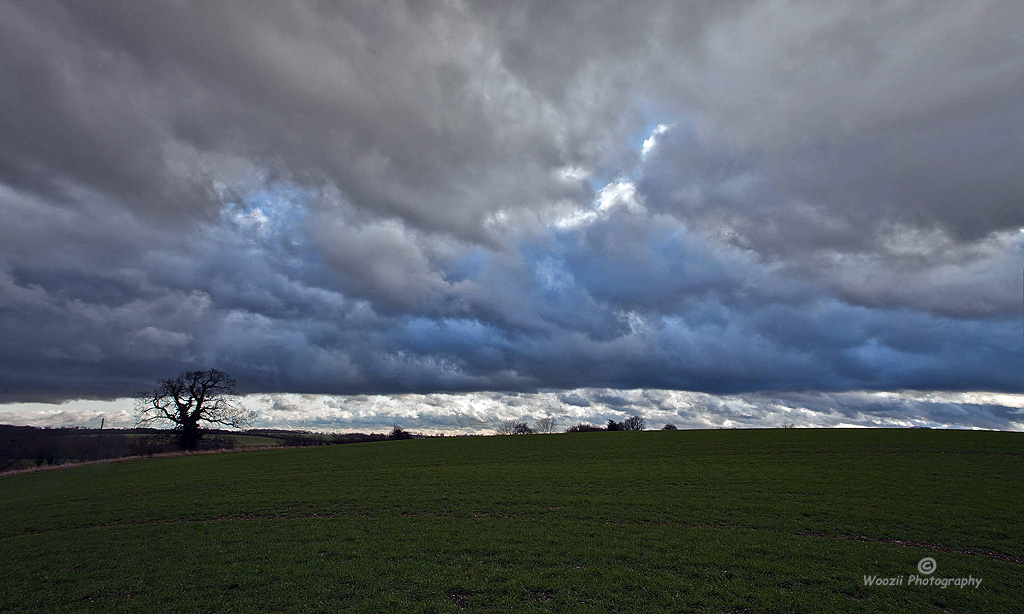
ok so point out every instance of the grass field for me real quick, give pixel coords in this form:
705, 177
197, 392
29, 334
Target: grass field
711, 521
254, 441
241, 440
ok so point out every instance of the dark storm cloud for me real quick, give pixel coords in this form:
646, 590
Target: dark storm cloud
402, 107
417, 197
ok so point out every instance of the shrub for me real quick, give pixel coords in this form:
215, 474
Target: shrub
399, 433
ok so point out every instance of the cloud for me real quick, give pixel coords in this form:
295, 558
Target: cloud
425, 198
480, 413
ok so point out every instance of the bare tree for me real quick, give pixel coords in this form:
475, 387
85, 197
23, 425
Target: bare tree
506, 427
523, 429
513, 427
191, 399
633, 423
545, 425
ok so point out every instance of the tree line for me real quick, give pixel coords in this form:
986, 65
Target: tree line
547, 425
24, 447
28, 446
197, 404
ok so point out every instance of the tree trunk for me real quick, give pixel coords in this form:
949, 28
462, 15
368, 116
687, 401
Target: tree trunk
189, 436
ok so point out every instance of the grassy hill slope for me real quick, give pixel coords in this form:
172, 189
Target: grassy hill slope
716, 521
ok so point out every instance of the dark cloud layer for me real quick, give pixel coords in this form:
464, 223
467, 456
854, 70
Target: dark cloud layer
422, 197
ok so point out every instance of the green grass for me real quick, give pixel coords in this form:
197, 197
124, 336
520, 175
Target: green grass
254, 441
710, 521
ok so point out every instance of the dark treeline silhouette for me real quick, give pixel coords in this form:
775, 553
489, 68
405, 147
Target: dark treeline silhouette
309, 438
399, 433
583, 427
28, 446
547, 425
632, 423
514, 427
23, 447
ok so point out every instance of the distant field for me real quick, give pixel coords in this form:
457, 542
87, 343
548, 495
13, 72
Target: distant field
710, 521
254, 441
25, 447
241, 440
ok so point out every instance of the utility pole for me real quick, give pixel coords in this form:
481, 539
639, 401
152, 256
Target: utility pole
99, 436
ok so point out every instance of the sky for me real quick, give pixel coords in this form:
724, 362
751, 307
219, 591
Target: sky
708, 213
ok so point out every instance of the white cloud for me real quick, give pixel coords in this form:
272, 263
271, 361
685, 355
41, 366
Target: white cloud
479, 413
652, 141
619, 193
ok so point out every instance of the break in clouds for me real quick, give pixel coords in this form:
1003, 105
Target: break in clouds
388, 198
